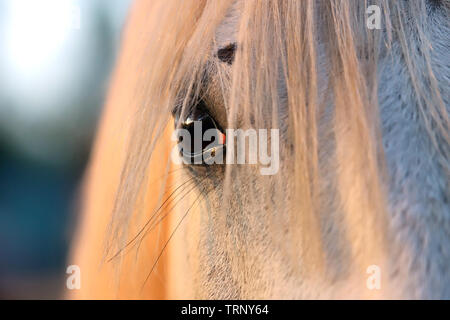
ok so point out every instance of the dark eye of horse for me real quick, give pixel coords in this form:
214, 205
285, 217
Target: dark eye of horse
205, 143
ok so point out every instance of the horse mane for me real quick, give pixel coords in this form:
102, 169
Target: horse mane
166, 49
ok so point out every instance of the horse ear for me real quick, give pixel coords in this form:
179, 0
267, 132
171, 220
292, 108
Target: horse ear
101, 279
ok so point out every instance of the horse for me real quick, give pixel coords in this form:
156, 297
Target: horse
359, 208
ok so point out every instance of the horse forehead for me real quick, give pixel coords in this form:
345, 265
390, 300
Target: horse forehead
228, 29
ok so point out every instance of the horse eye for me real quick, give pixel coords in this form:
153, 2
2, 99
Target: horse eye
205, 143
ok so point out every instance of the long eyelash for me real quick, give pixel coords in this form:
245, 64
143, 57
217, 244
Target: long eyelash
173, 233
165, 203
156, 223
149, 226
165, 175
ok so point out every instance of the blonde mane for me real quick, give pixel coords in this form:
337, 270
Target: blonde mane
166, 49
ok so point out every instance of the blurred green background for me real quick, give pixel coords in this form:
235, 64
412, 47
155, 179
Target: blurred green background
56, 57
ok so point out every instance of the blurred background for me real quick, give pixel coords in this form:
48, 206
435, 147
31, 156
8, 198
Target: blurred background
56, 57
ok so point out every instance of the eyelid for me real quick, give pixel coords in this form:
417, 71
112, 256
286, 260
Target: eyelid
199, 106
192, 101
178, 109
